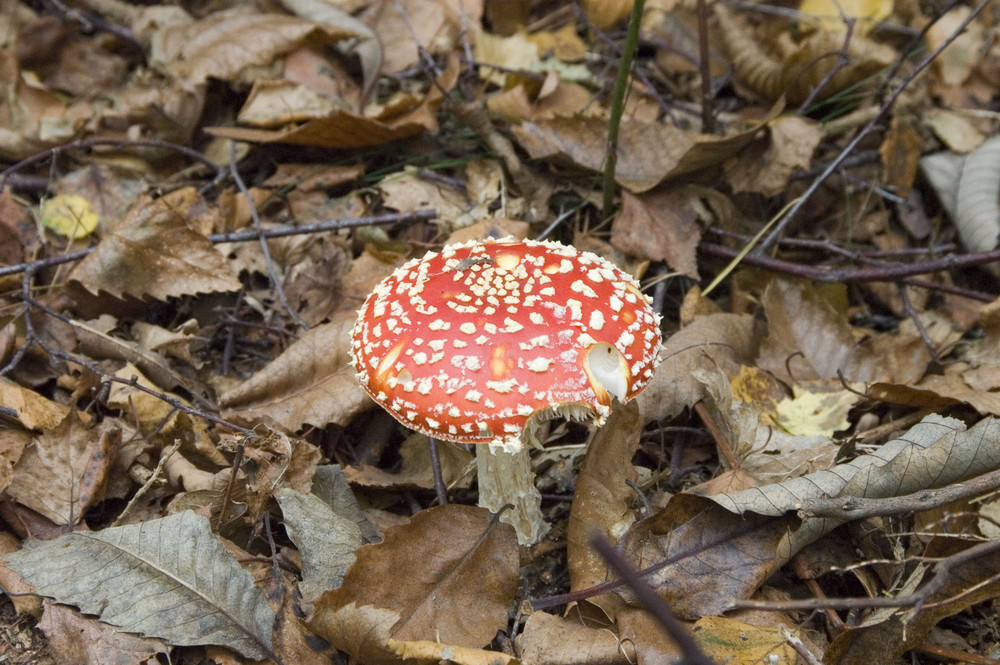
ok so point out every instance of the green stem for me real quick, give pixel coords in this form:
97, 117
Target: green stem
618, 104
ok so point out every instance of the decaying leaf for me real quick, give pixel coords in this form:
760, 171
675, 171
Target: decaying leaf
29, 408
152, 252
458, 584
325, 539
552, 640
77, 638
755, 531
192, 590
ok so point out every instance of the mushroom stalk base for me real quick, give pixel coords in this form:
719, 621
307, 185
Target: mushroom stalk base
507, 478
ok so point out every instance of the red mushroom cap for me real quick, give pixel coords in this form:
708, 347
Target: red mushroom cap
466, 344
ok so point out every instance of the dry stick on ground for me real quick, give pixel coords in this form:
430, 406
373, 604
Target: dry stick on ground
918, 599
244, 236
887, 273
255, 217
220, 171
779, 228
651, 602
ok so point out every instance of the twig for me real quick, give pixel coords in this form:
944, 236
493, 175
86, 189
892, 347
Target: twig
915, 317
704, 65
779, 228
118, 143
693, 655
856, 508
618, 105
889, 273
255, 217
245, 236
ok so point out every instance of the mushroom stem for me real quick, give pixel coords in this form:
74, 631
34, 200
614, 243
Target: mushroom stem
506, 478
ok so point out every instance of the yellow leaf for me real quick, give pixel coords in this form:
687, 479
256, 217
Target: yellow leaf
830, 14
736, 643
69, 215
811, 414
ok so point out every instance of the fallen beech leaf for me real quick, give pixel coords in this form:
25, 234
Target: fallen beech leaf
426, 650
192, 590
738, 643
69, 215
648, 152
764, 167
602, 499
660, 225
152, 252
47, 476
447, 576
808, 336
311, 382
755, 531
832, 15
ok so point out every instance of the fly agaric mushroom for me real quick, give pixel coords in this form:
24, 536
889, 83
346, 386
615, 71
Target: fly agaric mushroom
482, 342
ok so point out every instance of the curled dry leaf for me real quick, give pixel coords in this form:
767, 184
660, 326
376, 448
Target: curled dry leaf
448, 576
169, 578
553, 640
325, 540
602, 499
755, 531
152, 252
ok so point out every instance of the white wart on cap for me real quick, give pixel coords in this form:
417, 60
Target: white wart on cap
466, 344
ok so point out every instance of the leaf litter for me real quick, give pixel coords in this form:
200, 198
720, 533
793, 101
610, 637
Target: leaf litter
180, 425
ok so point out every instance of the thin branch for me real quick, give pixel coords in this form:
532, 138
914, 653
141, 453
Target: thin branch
272, 272
245, 236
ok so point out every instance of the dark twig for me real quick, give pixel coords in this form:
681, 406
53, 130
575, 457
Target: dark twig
779, 228
888, 273
245, 236
705, 67
693, 655
841, 61
915, 317
439, 487
272, 272
118, 143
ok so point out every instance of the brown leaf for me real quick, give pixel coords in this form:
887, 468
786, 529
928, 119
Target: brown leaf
29, 408
448, 576
552, 640
76, 639
602, 500
660, 225
648, 152
722, 339
764, 167
152, 252
808, 336
47, 477
311, 382
415, 470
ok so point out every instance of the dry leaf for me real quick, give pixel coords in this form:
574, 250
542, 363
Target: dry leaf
755, 531
29, 408
153, 253
603, 497
552, 640
447, 576
726, 340
325, 539
415, 468
311, 382
75, 638
192, 590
